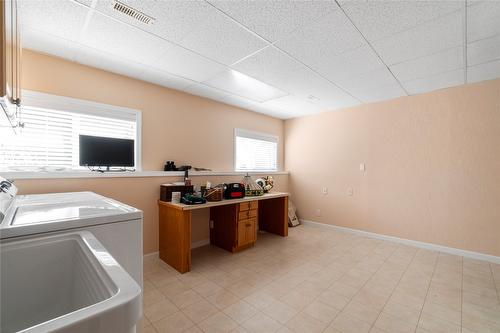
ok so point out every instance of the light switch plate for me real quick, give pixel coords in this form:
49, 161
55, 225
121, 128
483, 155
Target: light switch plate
362, 167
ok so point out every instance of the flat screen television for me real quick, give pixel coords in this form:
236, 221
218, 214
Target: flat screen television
97, 151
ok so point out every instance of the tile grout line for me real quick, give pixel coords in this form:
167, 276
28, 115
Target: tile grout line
314, 299
495, 282
392, 292
427, 292
385, 260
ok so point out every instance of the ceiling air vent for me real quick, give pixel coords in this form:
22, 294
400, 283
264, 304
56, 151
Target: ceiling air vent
133, 13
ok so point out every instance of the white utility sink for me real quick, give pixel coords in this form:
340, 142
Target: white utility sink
65, 283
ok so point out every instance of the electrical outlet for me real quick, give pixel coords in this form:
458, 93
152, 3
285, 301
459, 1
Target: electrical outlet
324, 190
350, 191
318, 212
211, 224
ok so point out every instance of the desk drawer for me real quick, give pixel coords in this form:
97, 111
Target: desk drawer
246, 214
248, 205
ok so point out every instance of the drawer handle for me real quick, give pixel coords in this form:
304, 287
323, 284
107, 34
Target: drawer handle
248, 225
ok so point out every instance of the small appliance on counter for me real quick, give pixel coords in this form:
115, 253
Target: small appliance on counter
167, 189
234, 191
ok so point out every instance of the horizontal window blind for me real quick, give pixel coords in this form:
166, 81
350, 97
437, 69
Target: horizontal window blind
255, 151
50, 138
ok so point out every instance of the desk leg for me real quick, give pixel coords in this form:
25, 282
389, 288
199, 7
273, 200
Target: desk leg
273, 216
175, 238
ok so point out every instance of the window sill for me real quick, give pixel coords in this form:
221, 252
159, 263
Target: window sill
126, 174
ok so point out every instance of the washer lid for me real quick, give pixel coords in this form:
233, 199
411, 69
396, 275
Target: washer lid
41, 213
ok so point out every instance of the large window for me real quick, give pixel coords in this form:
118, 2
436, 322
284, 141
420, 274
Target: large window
49, 141
255, 151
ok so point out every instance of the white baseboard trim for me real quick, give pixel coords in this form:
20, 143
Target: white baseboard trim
201, 243
428, 246
194, 245
152, 255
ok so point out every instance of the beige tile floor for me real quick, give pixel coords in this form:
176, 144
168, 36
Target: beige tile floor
322, 280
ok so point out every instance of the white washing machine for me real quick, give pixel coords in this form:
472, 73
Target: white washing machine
118, 227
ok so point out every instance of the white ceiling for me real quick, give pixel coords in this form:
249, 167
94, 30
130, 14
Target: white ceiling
278, 57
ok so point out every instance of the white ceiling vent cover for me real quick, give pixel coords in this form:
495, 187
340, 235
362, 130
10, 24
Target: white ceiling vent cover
133, 13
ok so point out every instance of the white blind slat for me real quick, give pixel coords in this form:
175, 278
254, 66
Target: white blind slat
255, 152
51, 137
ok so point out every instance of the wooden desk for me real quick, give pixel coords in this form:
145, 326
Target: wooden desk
175, 225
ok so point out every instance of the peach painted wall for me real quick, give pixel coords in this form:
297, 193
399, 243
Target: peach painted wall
175, 126
432, 167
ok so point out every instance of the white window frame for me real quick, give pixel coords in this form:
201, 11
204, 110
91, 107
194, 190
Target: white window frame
258, 136
62, 103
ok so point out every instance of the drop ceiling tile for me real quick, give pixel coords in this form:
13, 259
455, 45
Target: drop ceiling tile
483, 50
278, 69
440, 81
239, 102
130, 43
270, 111
359, 84
185, 63
87, 3
317, 43
486, 71
483, 20
202, 90
174, 19
426, 66
108, 62
45, 43
349, 64
275, 20
381, 93
335, 104
63, 19
440, 34
239, 84
161, 78
222, 39
380, 19
269, 65
293, 106
474, 2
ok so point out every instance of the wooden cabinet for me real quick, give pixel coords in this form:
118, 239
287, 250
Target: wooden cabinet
247, 232
234, 227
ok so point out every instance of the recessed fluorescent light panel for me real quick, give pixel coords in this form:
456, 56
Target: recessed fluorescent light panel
243, 85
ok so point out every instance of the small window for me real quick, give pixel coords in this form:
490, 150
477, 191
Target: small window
255, 151
50, 139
